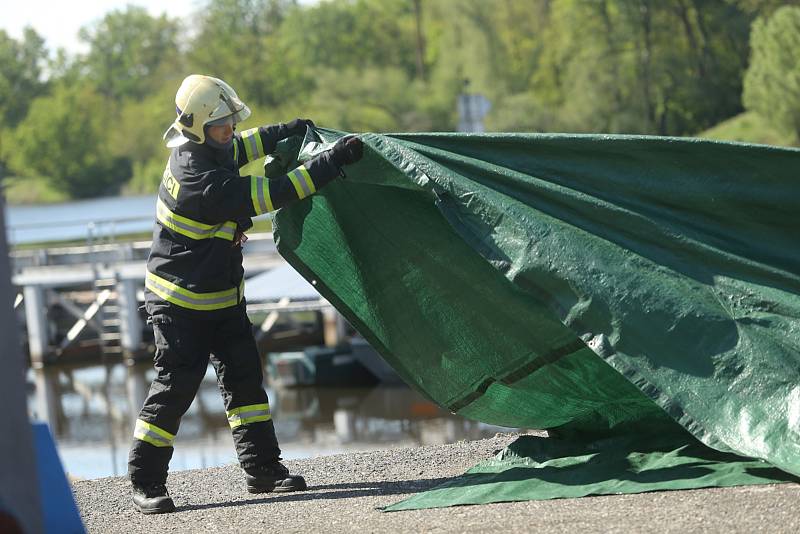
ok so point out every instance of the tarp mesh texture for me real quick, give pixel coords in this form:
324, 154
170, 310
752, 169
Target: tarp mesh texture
618, 290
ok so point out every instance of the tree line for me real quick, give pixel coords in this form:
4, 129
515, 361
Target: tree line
90, 123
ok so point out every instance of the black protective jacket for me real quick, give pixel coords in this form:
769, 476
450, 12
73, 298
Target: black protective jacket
194, 268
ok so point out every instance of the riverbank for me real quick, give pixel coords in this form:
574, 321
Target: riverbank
348, 490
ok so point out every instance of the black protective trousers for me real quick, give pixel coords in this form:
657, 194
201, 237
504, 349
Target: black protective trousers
184, 346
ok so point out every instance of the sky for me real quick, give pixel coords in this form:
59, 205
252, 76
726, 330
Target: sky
58, 21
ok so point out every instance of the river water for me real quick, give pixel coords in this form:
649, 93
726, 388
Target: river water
92, 411
72, 220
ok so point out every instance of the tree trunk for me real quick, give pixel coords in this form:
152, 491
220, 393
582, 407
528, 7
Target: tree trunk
614, 63
645, 60
420, 39
682, 10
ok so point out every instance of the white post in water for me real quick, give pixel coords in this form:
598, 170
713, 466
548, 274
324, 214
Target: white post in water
130, 325
36, 321
333, 327
136, 384
19, 485
47, 397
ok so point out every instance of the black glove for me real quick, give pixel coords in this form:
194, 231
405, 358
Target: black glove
239, 239
298, 126
347, 150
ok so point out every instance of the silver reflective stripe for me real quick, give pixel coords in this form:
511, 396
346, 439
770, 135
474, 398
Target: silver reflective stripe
260, 188
253, 145
302, 181
253, 413
152, 435
227, 230
190, 228
145, 432
163, 213
154, 284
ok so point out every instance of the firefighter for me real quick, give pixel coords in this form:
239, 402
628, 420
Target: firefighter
194, 282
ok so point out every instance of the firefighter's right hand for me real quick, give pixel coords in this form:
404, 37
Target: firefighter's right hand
239, 238
347, 150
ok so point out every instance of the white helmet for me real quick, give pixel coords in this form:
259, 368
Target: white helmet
201, 100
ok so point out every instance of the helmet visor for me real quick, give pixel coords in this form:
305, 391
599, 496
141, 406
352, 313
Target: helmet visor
224, 121
229, 106
224, 115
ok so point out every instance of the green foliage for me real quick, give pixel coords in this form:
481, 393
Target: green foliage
385, 99
130, 53
146, 177
21, 65
747, 127
641, 66
65, 139
139, 139
522, 112
237, 40
630, 66
467, 47
30, 190
353, 33
772, 83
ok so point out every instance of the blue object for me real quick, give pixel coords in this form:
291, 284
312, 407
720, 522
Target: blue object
60, 513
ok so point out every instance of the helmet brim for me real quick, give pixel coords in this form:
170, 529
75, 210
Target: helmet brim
174, 137
243, 114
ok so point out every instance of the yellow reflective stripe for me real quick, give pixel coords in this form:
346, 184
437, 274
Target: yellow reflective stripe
191, 228
252, 144
299, 184
259, 195
252, 413
254, 186
225, 230
305, 181
189, 299
259, 144
236, 151
152, 434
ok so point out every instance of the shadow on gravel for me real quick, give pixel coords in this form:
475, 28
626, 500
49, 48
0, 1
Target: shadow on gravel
330, 491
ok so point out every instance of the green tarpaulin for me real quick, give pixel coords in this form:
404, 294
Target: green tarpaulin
596, 285
534, 468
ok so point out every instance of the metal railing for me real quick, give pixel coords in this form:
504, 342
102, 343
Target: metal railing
77, 229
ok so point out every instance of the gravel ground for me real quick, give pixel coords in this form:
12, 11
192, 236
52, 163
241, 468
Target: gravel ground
347, 491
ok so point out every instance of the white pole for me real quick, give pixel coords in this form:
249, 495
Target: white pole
130, 322
36, 321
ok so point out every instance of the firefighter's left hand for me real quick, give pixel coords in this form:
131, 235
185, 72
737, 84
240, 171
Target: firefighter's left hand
347, 150
239, 239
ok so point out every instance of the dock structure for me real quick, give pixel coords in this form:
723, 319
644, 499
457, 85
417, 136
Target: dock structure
94, 293
100, 287
116, 284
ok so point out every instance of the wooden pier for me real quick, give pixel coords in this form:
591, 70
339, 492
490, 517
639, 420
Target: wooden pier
100, 288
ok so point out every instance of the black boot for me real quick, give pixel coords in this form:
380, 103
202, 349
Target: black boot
273, 477
152, 499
